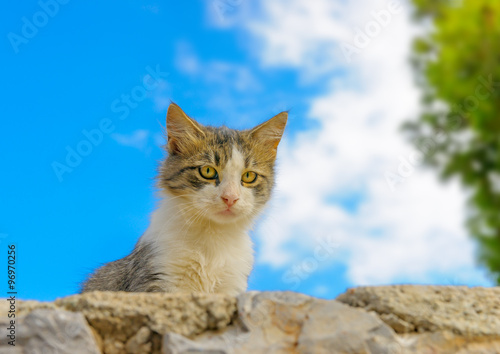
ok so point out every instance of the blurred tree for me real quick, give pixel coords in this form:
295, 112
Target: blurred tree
457, 63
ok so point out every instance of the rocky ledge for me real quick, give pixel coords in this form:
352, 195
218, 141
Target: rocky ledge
392, 319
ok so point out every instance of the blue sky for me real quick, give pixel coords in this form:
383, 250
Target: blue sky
225, 62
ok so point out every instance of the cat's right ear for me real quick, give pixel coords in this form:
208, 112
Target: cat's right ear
182, 131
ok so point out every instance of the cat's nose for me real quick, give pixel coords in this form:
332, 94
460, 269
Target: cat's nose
230, 200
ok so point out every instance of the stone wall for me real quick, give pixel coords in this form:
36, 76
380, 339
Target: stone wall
392, 319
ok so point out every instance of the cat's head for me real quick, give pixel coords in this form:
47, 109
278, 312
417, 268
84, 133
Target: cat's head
220, 174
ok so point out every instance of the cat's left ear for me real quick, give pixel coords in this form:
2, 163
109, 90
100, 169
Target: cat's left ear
270, 132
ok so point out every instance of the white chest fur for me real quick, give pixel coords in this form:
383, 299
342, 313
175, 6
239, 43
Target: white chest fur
197, 255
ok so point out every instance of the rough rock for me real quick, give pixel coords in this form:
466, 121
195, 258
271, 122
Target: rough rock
289, 322
469, 312
449, 343
51, 331
134, 322
392, 319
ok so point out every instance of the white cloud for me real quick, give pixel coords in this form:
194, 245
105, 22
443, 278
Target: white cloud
186, 60
415, 233
320, 291
215, 73
301, 34
137, 139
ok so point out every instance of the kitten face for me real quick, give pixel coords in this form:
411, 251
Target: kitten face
220, 174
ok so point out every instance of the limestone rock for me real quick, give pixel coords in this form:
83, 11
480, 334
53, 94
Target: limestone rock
392, 319
470, 312
52, 331
289, 322
140, 342
119, 318
176, 344
445, 342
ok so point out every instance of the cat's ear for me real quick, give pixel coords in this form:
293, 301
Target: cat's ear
270, 132
182, 131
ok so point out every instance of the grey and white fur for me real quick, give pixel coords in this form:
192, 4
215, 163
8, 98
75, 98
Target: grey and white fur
214, 182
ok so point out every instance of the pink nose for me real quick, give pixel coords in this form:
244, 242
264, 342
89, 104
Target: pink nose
230, 200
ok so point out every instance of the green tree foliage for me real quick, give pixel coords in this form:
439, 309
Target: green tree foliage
457, 63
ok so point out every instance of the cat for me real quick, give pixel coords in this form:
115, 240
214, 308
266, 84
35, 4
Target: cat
213, 183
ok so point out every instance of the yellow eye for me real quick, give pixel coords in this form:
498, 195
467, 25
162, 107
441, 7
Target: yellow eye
208, 172
249, 177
